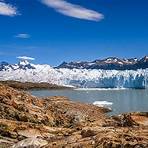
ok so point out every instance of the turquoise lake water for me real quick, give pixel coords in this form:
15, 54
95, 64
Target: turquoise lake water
124, 100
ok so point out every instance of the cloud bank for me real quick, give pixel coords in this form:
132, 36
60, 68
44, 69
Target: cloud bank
73, 10
25, 58
7, 9
23, 36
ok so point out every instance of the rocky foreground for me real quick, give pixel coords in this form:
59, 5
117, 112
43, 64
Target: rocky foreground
56, 122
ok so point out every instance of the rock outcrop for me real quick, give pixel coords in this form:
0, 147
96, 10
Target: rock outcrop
32, 86
57, 122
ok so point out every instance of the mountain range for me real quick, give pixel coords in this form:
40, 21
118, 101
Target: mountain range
23, 64
111, 63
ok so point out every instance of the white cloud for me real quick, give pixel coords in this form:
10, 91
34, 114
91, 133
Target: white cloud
73, 10
23, 36
7, 9
25, 58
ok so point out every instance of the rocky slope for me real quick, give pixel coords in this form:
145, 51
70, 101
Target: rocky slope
57, 122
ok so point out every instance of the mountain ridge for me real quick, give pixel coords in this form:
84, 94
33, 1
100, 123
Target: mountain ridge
110, 63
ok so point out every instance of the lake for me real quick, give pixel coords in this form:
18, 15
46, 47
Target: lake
124, 100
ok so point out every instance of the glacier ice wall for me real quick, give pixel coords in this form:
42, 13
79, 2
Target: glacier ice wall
80, 77
105, 79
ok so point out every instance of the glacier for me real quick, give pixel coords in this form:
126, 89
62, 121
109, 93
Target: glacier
81, 78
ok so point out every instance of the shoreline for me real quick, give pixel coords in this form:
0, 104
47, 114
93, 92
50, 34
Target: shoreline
33, 86
57, 122
47, 86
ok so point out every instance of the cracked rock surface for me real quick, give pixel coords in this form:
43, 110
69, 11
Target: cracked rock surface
57, 122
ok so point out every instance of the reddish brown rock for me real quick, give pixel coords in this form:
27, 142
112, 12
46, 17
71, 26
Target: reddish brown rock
57, 122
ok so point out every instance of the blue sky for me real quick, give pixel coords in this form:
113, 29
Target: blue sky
53, 31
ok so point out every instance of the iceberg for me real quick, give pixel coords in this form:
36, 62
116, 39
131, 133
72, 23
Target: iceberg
103, 104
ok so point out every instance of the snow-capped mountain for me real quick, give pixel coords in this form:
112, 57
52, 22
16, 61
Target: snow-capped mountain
3, 65
87, 78
111, 63
23, 64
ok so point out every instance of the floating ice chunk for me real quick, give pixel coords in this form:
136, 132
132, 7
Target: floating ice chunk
103, 104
